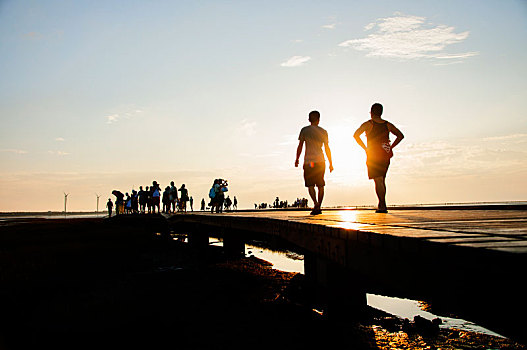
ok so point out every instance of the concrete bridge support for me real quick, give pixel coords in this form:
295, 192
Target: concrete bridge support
198, 237
337, 287
233, 244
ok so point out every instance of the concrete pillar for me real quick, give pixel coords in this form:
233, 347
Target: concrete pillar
198, 235
342, 291
198, 239
233, 244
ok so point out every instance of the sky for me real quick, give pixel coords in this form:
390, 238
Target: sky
97, 96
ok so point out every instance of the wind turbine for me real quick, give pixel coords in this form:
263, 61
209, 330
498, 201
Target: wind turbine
65, 201
97, 202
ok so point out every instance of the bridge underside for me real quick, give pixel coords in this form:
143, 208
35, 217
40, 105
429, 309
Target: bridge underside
345, 263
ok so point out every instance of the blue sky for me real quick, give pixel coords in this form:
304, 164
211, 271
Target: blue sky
117, 94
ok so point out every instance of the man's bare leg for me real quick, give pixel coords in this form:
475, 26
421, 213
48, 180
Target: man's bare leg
380, 190
313, 195
320, 196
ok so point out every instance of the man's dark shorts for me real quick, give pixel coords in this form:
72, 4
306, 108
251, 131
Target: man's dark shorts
377, 167
314, 174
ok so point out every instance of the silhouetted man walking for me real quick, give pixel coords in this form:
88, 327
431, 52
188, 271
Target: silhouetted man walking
109, 205
314, 162
379, 150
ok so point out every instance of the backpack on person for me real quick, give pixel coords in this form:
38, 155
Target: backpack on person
212, 193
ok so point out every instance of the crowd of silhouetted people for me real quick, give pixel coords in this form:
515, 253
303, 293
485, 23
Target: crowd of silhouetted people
151, 199
298, 203
218, 201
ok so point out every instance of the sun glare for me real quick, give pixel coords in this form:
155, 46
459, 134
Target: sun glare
349, 220
348, 157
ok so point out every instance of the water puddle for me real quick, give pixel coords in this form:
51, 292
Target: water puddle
289, 261
407, 308
284, 261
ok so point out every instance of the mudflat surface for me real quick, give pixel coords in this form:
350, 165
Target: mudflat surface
118, 283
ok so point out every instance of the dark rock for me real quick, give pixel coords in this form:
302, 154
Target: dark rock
391, 324
425, 326
407, 327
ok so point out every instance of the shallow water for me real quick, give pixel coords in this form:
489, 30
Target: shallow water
403, 308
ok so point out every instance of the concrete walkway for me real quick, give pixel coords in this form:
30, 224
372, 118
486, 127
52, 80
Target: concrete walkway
500, 230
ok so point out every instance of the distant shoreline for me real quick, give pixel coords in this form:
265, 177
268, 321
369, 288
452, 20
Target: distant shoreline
512, 205
51, 213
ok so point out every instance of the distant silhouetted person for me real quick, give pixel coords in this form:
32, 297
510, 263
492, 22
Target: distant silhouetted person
156, 196
228, 203
191, 201
202, 204
184, 197
173, 196
314, 162
212, 194
148, 191
378, 150
166, 200
109, 205
135, 202
217, 195
235, 204
119, 205
128, 204
143, 197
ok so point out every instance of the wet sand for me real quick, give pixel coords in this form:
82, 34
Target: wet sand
96, 283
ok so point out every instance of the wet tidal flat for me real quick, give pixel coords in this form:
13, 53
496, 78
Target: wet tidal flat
104, 283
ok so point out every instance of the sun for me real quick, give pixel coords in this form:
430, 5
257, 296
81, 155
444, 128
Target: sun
348, 157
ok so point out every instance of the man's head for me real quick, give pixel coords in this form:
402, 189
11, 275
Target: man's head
314, 117
376, 110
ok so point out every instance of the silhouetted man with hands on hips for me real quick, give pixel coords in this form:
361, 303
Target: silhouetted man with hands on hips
378, 150
314, 162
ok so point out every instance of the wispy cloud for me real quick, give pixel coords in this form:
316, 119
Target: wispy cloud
409, 37
114, 118
33, 35
296, 61
473, 156
329, 26
110, 119
59, 139
59, 153
247, 127
12, 150
518, 138
289, 139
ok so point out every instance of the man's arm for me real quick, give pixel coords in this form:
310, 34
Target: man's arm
359, 132
399, 135
328, 154
299, 151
